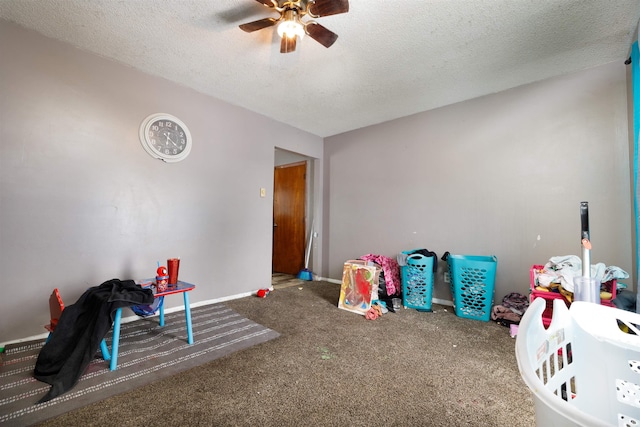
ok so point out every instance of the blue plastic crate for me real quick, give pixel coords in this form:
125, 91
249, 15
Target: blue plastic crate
473, 285
417, 281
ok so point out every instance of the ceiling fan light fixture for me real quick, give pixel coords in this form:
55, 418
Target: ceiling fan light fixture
290, 26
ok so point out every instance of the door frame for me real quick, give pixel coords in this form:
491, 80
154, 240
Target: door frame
284, 157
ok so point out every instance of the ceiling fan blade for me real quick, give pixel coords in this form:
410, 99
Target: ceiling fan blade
258, 25
329, 7
267, 3
287, 44
321, 34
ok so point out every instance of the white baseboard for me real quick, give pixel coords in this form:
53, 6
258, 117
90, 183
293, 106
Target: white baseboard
442, 301
134, 317
433, 300
326, 279
196, 304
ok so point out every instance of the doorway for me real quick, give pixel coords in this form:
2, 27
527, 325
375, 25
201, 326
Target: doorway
289, 217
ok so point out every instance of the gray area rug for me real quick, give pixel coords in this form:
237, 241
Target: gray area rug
147, 353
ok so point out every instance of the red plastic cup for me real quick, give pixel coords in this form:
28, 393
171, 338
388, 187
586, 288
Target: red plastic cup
173, 265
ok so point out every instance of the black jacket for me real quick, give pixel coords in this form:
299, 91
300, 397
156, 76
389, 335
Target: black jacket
79, 331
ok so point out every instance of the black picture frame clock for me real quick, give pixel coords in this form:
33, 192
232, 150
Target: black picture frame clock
165, 137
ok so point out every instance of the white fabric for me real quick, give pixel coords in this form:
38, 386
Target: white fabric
563, 269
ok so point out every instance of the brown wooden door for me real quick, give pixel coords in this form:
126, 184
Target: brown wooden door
288, 218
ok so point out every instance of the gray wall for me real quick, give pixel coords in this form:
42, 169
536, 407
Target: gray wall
81, 202
500, 175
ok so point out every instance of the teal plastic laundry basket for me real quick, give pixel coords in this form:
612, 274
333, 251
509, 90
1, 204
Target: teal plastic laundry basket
472, 285
417, 281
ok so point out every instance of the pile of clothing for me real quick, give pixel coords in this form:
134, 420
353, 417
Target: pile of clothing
558, 274
511, 310
390, 272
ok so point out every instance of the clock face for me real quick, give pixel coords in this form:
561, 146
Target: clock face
165, 137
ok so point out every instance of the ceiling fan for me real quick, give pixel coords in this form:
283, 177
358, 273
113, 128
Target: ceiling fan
290, 23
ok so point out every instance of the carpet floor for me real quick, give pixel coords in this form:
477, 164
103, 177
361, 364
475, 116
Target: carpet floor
331, 367
147, 353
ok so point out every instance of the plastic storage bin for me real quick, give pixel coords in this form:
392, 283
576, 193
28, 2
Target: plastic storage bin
549, 297
472, 285
584, 370
417, 281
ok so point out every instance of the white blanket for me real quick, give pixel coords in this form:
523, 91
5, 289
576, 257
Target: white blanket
562, 270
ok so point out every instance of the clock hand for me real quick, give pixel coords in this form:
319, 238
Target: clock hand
169, 139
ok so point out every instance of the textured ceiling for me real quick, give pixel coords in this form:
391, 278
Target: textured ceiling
392, 58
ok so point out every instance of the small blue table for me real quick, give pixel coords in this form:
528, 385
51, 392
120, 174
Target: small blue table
179, 288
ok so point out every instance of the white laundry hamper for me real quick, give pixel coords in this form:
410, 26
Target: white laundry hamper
584, 370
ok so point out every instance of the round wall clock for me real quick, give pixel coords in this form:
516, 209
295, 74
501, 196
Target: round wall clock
165, 137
